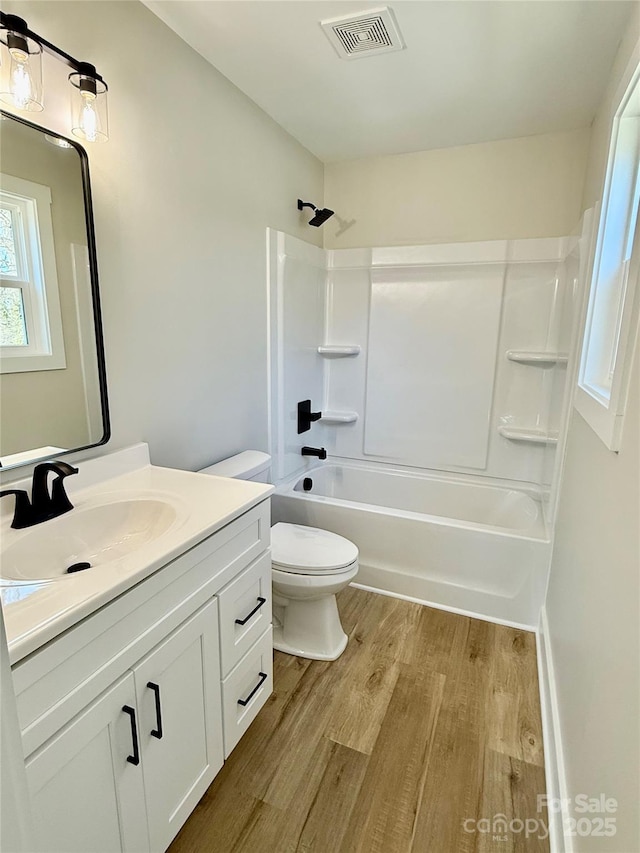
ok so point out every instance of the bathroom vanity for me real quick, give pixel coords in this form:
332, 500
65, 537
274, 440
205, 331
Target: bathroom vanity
131, 697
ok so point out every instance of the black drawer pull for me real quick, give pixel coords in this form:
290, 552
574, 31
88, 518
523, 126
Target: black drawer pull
157, 732
244, 621
135, 758
263, 678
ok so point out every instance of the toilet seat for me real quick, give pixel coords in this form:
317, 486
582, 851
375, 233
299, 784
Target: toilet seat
301, 550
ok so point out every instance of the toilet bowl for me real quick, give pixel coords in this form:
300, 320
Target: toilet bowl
309, 567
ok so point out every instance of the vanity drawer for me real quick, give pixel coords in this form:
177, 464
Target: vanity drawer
59, 680
245, 608
246, 689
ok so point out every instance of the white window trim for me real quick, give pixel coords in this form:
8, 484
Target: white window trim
47, 349
606, 415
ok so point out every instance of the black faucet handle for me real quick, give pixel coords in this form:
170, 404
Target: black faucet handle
60, 502
306, 417
23, 511
42, 501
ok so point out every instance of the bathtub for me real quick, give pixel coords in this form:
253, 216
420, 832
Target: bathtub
455, 543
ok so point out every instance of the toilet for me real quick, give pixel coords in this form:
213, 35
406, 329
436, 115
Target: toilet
308, 568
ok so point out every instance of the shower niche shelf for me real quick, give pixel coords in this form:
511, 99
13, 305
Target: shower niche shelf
528, 436
334, 351
537, 358
339, 417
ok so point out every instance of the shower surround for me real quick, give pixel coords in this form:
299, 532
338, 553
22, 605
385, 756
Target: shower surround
443, 375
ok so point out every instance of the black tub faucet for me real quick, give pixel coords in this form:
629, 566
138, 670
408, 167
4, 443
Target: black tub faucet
43, 504
320, 452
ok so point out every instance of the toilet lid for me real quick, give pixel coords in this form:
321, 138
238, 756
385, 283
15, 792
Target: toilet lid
303, 550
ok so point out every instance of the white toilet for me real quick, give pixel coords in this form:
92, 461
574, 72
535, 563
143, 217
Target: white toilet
309, 566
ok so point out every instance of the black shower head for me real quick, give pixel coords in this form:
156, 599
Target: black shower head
319, 217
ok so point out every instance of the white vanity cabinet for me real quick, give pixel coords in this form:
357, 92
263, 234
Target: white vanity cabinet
127, 717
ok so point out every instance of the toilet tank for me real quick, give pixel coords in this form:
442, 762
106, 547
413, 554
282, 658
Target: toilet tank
248, 465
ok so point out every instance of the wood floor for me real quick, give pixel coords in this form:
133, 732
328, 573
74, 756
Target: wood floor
428, 720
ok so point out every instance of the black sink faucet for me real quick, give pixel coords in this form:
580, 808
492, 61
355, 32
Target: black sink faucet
320, 452
43, 504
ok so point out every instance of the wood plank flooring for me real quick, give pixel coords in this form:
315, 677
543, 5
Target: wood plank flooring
428, 720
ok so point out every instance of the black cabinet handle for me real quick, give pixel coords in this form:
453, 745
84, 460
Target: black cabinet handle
263, 678
244, 621
157, 732
135, 758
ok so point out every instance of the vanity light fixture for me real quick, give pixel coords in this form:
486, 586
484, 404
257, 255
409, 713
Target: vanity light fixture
21, 79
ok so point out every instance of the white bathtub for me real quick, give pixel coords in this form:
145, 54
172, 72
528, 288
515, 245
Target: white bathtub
478, 548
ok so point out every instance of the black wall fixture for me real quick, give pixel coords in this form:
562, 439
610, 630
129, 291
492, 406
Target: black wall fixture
306, 417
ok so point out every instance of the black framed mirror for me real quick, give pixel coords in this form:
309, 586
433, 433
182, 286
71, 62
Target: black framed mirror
53, 384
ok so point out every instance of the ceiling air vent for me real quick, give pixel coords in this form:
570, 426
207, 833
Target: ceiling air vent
365, 34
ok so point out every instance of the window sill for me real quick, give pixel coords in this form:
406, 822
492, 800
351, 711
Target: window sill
606, 424
32, 363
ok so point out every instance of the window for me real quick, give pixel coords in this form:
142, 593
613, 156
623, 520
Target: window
30, 322
612, 310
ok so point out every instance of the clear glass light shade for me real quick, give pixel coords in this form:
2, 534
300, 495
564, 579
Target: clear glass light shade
89, 116
21, 73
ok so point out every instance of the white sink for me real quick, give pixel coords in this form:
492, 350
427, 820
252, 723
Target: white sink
130, 519
97, 535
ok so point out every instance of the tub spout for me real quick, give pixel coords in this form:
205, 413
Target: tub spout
320, 452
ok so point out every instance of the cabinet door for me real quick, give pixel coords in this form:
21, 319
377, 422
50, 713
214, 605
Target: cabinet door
178, 694
86, 796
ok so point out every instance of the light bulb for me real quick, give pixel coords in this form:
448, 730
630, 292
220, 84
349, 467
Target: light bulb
22, 87
21, 77
88, 116
89, 120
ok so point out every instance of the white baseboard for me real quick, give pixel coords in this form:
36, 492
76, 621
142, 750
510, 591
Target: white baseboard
436, 606
552, 739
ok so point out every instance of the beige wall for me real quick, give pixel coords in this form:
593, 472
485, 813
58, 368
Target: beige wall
193, 174
593, 602
529, 187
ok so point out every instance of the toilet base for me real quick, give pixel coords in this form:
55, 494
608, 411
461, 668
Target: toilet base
310, 629
280, 646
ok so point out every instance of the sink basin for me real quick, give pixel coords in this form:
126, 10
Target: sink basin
97, 535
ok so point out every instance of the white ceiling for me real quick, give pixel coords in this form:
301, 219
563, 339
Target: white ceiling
473, 71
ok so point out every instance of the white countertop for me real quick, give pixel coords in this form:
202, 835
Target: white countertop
37, 611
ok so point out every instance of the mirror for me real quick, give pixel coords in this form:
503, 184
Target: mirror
53, 395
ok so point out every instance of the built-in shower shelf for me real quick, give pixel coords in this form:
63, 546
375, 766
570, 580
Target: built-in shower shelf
332, 351
539, 358
530, 436
339, 417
